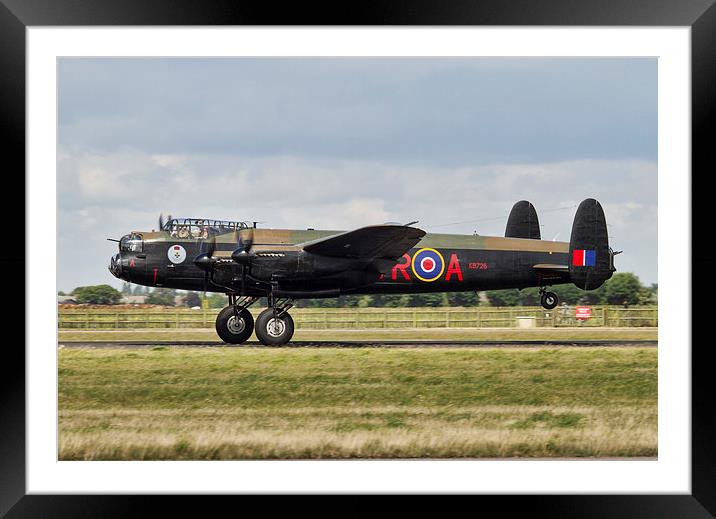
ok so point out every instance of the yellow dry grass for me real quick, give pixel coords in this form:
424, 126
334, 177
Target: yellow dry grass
308, 403
489, 431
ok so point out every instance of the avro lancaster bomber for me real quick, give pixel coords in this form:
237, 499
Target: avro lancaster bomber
247, 263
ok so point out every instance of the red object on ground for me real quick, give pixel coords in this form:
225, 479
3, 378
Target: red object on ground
583, 312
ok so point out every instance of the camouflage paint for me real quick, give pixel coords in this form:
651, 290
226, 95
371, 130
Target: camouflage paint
472, 262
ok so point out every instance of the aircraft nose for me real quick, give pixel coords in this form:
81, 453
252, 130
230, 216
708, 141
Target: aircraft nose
115, 266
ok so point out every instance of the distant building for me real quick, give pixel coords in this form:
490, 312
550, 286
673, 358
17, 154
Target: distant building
133, 300
66, 300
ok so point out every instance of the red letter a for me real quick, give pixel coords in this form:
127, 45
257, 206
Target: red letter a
453, 268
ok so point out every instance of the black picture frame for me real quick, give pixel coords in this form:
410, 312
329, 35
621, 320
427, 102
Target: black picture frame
700, 15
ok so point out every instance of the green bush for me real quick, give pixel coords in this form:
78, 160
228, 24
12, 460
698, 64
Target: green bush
192, 299
97, 295
623, 288
161, 296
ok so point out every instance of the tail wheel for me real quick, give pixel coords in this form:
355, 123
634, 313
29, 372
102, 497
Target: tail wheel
549, 300
233, 329
274, 331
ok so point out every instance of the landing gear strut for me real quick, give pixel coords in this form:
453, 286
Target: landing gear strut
549, 300
274, 326
235, 324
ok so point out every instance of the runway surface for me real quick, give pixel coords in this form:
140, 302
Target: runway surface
364, 344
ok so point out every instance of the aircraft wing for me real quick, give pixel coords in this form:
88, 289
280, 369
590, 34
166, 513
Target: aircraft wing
373, 242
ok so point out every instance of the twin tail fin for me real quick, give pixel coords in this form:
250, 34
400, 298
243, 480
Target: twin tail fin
591, 260
523, 222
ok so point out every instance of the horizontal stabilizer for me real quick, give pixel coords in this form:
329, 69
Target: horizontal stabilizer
373, 242
550, 266
552, 273
523, 222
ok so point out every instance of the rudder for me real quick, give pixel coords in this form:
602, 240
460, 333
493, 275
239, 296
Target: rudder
590, 258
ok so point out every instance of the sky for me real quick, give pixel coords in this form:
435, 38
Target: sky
340, 143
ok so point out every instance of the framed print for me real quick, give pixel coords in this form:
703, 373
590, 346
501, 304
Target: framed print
38, 43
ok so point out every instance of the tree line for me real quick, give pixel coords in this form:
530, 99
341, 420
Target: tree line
624, 288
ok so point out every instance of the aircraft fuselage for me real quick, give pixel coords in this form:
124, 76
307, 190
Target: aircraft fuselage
438, 263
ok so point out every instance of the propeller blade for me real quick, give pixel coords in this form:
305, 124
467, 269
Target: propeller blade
242, 254
161, 221
243, 246
207, 246
247, 242
205, 259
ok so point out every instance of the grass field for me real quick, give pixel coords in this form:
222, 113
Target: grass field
477, 334
246, 403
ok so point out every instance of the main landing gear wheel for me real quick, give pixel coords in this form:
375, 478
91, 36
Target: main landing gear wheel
232, 329
274, 331
549, 300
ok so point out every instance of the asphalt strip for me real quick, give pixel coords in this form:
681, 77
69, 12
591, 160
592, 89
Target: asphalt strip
361, 344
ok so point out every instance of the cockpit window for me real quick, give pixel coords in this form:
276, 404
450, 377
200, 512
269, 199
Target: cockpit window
198, 228
131, 243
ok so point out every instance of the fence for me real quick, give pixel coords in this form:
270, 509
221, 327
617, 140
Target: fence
367, 318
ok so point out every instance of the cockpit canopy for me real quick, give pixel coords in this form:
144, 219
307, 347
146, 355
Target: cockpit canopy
199, 228
131, 243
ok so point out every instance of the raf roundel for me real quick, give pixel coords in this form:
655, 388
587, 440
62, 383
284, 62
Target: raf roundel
428, 265
176, 254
